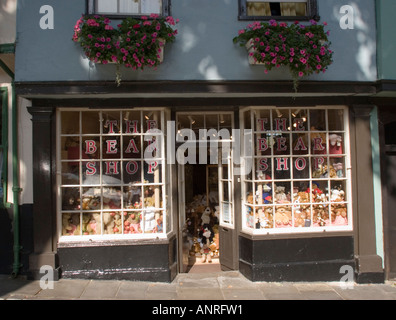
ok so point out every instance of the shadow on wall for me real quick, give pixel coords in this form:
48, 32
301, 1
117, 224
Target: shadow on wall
7, 21
356, 15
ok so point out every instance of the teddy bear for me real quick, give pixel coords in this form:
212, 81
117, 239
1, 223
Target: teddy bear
265, 218
159, 227
338, 167
207, 238
70, 199
71, 224
267, 194
117, 224
205, 217
108, 222
250, 198
250, 218
149, 202
91, 224
299, 218
283, 216
337, 195
320, 216
217, 213
340, 216
280, 195
149, 221
303, 197
335, 146
132, 223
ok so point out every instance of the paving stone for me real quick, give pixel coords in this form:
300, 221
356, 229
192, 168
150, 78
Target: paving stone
101, 289
20, 286
132, 290
235, 282
65, 289
243, 294
363, 292
199, 294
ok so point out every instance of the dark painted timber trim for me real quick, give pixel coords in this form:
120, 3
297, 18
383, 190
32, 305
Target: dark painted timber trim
72, 88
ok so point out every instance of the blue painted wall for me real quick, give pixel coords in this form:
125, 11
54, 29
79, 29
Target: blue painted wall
386, 11
203, 49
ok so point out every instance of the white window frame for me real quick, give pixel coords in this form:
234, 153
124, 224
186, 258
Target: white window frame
92, 9
312, 11
251, 143
165, 181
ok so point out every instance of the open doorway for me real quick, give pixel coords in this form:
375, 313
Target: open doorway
202, 217
205, 185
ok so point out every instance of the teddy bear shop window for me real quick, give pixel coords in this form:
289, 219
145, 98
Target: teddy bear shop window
107, 186
298, 181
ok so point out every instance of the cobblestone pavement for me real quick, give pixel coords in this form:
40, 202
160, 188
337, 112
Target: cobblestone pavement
204, 287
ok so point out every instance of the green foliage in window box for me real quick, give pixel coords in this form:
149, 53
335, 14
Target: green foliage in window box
304, 49
135, 43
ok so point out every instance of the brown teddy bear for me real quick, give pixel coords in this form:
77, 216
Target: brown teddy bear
283, 216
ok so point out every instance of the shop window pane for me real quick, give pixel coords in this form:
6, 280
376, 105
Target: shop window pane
225, 121
70, 148
337, 167
71, 225
336, 143
131, 122
112, 222
70, 123
282, 144
336, 120
132, 222
132, 173
91, 172
132, 147
300, 168
91, 199
91, 147
282, 168
106, 162
300, 144
317, 120
91, 223
152, 221
306, 188
70, 173
263, 169
281, 120
262, 120
152, 197
318, 143
91, 122
71, 199
264, 143
283, 216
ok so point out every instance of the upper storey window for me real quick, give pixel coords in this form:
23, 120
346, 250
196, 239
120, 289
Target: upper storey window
280, 10
128, 7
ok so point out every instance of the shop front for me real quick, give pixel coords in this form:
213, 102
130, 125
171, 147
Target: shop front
145, 192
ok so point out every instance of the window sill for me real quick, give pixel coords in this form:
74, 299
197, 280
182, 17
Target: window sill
278, 18
299, 233
104, 241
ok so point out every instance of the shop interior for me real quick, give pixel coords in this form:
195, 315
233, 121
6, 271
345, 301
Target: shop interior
202, 217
